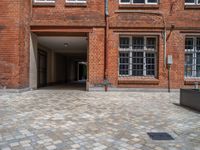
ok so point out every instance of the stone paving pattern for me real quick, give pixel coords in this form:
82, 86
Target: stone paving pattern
77, 120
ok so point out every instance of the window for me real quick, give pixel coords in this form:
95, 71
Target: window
138, 1
137, 56
76, 1
192, 2
44, 1
192, 57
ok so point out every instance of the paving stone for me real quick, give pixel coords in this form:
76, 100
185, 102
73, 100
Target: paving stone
75, 146
72, 119
6, 148
14, 144
57, 142
51, 147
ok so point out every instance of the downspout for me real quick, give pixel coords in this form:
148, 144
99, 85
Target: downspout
106, 46
165, 42
165, 47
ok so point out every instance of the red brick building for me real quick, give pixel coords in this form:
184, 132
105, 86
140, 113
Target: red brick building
126, 43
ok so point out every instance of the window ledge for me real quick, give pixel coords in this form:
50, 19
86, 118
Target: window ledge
76, 4
136, 6
192, 6
43, 4
190, 81
138, 80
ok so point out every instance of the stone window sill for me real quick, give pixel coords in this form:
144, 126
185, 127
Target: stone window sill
43, 4
76, 4
138, 80
192, 6
135, 6
191, 81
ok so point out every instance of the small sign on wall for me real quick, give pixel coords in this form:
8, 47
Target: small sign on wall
169, 60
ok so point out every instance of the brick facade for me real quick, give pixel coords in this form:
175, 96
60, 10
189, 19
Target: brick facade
14, 43
150, 20
21, 17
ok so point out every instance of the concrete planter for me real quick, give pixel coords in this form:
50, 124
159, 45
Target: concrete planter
190, 98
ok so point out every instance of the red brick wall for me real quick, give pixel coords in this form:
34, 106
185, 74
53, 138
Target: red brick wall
96, 56
24, 37
85, 16
9, 52
18, 16
132, 23
12, 44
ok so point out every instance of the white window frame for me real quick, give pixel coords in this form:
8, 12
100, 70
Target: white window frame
194, 57
130, 50
195, 3
131, 2
76, 1
44, 1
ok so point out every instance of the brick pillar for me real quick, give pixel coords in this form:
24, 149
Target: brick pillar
96, 56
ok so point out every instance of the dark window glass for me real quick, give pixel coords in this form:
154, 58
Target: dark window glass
124, 63
188, 65
198, 44
125, 1
198, 65
137, 63
189, 43
152, 1
150, 64
124, 42
151, 43
138, 43
189, 1
139, 1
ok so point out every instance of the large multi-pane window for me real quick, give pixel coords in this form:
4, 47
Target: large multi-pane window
192, 57
192, 2
138, 1
137, 56
44, 1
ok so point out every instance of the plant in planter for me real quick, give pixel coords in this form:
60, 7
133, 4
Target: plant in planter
104, 84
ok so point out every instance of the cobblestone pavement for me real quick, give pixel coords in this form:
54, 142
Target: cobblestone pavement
73, 119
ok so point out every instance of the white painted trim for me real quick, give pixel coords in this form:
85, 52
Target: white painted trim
194, 57
144, 50
44, 1
193, 3
132, 2
76, 1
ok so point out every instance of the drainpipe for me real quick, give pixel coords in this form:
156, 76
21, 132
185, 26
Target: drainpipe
165, 43
106, 46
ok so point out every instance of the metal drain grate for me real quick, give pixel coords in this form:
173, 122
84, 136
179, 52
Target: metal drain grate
160, 136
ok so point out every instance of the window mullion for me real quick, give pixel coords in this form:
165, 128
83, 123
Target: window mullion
130, 57
144, 57
194, 57
156, 57
193, 65
130, 63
